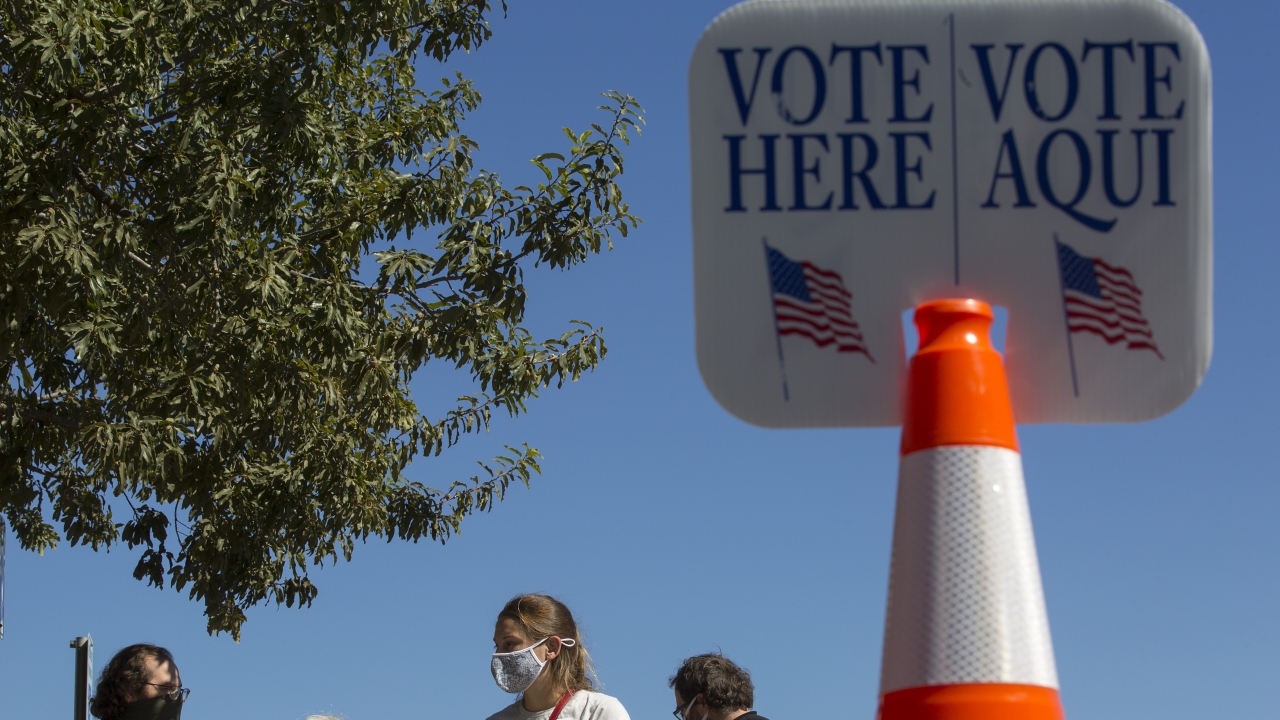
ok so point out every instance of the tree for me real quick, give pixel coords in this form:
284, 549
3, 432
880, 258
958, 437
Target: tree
230, 235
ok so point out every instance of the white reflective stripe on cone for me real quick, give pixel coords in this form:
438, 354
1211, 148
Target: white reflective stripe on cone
965, 600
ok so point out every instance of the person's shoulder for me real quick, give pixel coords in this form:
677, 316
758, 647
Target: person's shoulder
509, 712
598, 706
753, 716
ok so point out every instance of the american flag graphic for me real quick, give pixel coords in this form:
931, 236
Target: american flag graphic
812, 302
1104, 300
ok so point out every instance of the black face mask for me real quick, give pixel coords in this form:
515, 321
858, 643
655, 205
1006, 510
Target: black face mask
156, 708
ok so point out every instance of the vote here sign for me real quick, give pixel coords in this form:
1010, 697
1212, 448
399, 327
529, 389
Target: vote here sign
852, 159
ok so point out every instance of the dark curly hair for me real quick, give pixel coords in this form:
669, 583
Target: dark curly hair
724, 686
123, 679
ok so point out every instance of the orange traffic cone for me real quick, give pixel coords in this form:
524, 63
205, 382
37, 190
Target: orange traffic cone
967, 636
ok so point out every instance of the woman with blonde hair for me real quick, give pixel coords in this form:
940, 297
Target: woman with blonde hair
538, 653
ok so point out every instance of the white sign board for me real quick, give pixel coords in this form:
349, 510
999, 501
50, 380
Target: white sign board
852, 159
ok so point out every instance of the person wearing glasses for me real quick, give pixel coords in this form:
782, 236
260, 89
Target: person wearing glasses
140, 683
538, 653
712, 687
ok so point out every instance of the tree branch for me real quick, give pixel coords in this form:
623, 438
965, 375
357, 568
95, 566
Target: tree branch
46, 473
324, 281
101, 196
139, 260
42, 416
180, 59
96, 95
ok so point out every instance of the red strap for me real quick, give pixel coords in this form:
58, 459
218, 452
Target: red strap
560, 705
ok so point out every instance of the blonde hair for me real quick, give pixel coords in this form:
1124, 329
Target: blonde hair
541, 616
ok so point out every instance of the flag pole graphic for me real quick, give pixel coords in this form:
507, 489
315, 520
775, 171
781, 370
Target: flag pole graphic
777, 334
1066, 321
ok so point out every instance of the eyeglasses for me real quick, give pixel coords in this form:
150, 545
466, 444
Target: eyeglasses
680, 711
171, 692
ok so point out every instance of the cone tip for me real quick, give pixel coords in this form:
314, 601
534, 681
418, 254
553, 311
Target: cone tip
957, 392
949, 306
954, 322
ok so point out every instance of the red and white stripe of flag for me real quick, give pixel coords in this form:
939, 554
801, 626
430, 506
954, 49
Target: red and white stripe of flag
828, 319
1117, 316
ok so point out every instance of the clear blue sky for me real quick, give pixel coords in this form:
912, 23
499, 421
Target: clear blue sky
672, 528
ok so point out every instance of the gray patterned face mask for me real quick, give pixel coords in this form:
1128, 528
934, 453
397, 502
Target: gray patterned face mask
516, 671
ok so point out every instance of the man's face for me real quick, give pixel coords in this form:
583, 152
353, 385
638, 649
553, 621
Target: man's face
162, 679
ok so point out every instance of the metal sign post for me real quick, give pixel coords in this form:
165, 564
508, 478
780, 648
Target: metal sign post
84, 675
3, 532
